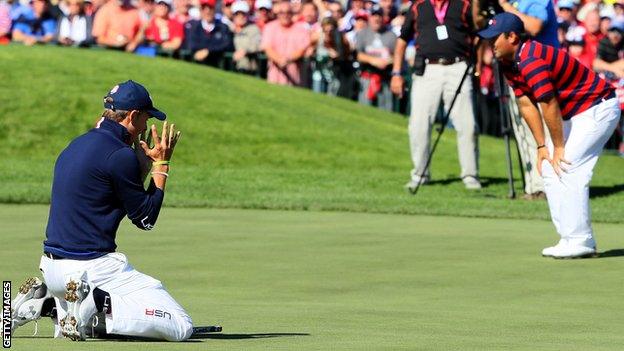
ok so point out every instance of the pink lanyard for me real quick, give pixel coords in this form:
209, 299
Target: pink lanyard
441, 13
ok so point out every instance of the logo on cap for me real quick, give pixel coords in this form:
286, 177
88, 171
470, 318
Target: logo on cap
114, 90
492, 22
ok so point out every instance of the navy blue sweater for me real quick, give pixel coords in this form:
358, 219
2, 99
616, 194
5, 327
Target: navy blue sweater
217, 41
97, 182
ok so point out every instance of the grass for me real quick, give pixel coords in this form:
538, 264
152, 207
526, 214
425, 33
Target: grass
247, 144
349, 281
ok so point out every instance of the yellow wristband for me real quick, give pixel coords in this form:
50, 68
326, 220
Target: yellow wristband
159, 163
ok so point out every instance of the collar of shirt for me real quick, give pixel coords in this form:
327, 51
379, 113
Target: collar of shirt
208, 27
519, 52
115, 129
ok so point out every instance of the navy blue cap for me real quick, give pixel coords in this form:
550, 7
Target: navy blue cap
504, 22
131, 95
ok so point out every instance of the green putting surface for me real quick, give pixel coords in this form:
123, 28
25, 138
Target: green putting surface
289, 280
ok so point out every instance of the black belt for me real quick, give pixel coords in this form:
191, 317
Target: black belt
609, 97
53, 256
445, 61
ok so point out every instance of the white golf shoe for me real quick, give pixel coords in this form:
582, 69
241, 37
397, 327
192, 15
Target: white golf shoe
29, 302
471, 183
567, 249
80, 309
550, 251
413, 184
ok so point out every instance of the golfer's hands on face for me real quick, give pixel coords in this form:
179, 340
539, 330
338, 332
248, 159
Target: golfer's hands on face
163, 144
558, 160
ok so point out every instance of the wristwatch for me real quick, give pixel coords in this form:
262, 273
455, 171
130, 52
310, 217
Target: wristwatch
396, 73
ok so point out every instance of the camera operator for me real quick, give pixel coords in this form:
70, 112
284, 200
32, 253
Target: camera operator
538, 16
443, 31
540, 23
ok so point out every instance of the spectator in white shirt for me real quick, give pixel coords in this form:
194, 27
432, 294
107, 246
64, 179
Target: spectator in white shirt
75, 28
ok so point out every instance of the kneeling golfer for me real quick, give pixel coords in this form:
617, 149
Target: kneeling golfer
581, 113
98, 179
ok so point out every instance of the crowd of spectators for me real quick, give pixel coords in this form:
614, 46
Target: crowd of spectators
338, 47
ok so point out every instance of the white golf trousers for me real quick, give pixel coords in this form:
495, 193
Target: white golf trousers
568, 196
141, 305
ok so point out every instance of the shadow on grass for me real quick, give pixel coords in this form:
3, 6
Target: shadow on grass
611, 253
485, 181
199, 337
247, 336
603, 191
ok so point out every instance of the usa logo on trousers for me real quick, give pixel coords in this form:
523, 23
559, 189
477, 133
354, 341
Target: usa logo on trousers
157, 313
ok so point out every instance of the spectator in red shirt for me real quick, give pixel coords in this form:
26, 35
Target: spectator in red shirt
163, 30
117, 25
592, 36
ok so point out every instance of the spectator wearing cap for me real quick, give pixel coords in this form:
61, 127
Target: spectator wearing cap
75, 28
361, 23
117, 25
263, 13
443, 31
285, 43
589, 5
36, 25
566, 12
610, 58
247, 37
575, 44
375, 47
5, 23
163, 30
208, 38
348, 20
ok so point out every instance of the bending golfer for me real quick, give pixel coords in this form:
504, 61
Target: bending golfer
581, 113
98, 179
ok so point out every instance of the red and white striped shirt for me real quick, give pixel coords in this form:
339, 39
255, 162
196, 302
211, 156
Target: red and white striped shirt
541, 72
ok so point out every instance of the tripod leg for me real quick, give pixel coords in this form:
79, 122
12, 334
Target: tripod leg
503, 108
